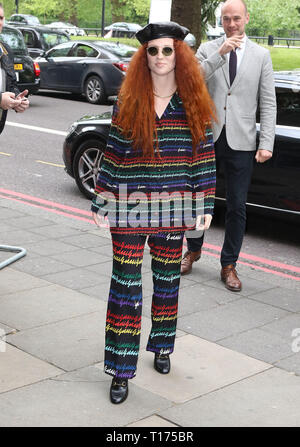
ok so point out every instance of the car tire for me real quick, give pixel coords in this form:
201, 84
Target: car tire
86, 165
94, 90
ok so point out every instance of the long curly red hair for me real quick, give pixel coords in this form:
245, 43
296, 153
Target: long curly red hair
136, 117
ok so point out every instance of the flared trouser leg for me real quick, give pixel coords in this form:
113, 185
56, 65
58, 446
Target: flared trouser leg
124, 309
166, 252
123, 322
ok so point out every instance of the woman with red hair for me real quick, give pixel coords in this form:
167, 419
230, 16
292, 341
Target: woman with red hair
156, 181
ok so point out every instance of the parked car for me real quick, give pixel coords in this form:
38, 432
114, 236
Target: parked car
40, 39
23, 19
86, 68
121, 29
67, 28
275, 184
27, 71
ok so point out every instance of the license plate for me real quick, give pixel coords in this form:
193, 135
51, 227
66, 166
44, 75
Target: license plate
18, 66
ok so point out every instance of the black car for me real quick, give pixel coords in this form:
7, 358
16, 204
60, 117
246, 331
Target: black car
122, 29
275, 184
24, 19
40, 39
27, 71
86, 68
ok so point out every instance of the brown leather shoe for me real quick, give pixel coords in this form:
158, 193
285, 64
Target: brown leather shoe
187, 261
230, 278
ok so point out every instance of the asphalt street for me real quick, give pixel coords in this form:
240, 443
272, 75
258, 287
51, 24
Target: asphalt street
31, 163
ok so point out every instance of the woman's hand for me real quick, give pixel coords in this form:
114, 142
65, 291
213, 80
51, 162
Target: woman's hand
206, 224
97, 219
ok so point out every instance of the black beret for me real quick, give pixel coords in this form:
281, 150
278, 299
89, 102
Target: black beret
158, 30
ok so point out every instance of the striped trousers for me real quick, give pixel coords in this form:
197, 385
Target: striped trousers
124, 311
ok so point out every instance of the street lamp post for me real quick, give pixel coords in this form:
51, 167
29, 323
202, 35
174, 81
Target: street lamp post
103, 18
17, 6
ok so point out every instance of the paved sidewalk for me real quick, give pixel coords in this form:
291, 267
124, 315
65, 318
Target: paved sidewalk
236, 362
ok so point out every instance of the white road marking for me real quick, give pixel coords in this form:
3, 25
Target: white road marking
38, 129
51, 164
4, 153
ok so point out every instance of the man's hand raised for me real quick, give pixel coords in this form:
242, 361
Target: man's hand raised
231, 43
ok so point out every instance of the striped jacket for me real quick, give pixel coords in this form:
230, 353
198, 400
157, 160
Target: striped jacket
165, 193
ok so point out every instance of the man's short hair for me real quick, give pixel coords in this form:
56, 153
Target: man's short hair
242, 1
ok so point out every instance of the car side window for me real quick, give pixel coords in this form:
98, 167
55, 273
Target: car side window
288, 107
28, 38
85, 51
63, 51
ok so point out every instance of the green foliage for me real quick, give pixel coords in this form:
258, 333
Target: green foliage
126, 41
275, 16
85, 13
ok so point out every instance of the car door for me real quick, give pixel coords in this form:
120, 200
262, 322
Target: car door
77, 64
54, 66
276, 183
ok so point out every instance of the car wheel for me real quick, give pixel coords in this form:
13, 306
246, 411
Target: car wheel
86, 165
94, 90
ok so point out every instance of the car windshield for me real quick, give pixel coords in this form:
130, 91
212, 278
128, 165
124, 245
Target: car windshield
52, 39
33, 20
118, 50
14, 40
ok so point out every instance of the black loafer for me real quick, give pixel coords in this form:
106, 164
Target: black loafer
162, 363
118, 390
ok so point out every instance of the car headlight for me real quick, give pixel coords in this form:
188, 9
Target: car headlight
72, 128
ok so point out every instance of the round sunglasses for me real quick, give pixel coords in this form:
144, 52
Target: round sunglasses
166, 51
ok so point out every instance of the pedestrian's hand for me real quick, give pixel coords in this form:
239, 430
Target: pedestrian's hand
231, 43
207, 218
263, 155
9, 101
96, 219
24, 102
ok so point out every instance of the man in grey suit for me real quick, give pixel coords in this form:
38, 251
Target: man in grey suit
239, 76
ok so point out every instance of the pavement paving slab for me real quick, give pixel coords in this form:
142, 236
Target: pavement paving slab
260, 344
13, 281
18, 369
68, 344
268, 399
250, 286
40, 266
291, 364
76, 278
82, 258
197, 367
232, 318
280, 297
152, 421
57, 403
4, 329
44, 305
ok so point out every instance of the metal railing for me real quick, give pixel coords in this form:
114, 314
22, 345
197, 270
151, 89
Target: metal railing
270, 40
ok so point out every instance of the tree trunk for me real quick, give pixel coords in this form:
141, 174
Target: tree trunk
188, 13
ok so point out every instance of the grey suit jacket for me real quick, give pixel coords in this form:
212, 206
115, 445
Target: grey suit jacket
237, 104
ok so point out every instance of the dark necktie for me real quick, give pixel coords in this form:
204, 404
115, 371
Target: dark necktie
232, 66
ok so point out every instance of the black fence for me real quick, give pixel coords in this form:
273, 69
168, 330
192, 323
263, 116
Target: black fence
271, 40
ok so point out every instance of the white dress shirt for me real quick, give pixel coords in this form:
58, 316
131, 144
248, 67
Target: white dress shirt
239, 53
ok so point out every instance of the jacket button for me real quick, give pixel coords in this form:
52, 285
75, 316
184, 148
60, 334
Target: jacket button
229, 94
224, 108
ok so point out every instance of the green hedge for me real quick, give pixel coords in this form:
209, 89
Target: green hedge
283, 58
124, 40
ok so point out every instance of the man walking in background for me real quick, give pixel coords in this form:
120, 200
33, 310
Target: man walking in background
239, 75
10, 96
